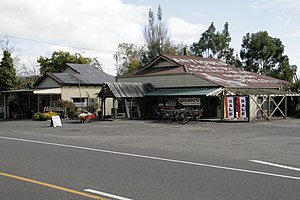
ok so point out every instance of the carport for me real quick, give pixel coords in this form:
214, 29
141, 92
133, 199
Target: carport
264, 103
127, 98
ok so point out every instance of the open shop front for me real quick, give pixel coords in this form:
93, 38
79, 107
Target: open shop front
192, 99
249, 104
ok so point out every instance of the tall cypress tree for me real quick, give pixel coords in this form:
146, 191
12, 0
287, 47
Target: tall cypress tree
8, 77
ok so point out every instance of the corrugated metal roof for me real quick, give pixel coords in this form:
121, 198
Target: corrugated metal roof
260, 91
210, 69
125, 90
219, 72
85, 74
90, 74
181, 91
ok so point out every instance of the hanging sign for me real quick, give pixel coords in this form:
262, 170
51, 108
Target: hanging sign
230, 107
189, 101
242, 111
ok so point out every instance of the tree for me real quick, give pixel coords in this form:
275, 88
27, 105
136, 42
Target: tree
8, 78
260, 52
60, 58
214, 44
284, 71
264, 54
156, 37
127, 58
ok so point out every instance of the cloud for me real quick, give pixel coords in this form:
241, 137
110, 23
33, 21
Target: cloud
91, 24
184, 32
268, 4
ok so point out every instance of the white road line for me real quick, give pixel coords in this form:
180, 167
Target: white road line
106, 194
275, 165
153, 158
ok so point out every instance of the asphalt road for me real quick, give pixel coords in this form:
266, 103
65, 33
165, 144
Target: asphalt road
149, 160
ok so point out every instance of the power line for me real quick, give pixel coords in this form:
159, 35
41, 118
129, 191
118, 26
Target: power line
52, 43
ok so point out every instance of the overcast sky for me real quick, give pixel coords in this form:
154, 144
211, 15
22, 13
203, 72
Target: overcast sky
98, 26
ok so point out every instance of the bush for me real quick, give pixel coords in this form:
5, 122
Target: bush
70, 107
36, 116
92, 108
43, 116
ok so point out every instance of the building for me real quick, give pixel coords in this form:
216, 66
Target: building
78, 83
223, 91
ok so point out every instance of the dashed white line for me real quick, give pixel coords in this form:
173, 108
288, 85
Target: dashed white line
153, 158
106, 194
275, 165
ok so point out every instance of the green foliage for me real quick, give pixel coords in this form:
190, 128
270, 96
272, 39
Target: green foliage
127, 58
43, 116
36, 116
284, 70
156, 37
92, 108
60, 58
263, 54
214, 44
295, 87
8, 78
70, 107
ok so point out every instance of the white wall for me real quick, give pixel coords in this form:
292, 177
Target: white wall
69, 92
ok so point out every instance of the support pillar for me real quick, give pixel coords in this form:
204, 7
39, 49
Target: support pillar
269, 107
5, 107
285, 107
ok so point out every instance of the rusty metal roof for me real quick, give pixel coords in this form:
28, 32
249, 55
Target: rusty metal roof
219, 72
260, 92
210, 69
125, 90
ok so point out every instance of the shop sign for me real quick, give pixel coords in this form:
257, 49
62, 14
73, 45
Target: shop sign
189, 101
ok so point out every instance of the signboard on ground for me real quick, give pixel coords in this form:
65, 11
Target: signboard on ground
55, 121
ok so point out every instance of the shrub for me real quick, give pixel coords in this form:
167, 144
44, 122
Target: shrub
92, 108
43, 116
36, 116
70, 107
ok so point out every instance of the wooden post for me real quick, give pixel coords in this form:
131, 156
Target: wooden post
38, 103
222, 108
104, 107
269, 107
285, 106
5, 107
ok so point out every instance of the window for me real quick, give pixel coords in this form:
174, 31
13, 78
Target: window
80, 102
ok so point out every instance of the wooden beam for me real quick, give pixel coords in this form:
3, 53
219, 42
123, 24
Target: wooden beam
277, 106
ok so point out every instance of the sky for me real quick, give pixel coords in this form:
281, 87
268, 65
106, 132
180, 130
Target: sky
94, 28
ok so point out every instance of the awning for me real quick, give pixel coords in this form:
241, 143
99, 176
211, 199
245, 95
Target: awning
260, 92
185, 92
47, 91
124, 90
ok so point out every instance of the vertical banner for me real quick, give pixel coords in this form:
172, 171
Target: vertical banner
225, 108
243, 107
230, 108
238, 107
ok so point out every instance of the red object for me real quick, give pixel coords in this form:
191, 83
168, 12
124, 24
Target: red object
85, 117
